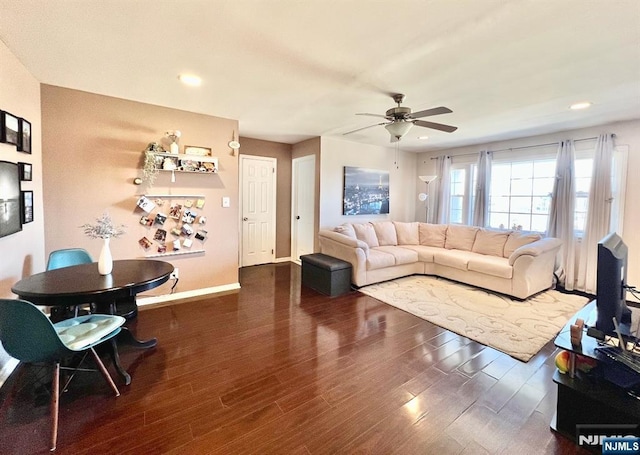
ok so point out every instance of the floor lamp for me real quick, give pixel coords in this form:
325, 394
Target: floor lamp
424, 197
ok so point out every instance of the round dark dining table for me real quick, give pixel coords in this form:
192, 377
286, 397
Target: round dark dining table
81, 284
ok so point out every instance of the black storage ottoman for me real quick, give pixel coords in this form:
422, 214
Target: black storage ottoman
326, 274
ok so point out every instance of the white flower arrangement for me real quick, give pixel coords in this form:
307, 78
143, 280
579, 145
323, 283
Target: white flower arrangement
104, 228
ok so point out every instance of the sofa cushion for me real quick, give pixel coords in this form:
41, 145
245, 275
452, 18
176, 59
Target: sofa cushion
402, 255
367, 234
517, 239
408, 233
454, 258
490, 242
460, 237
378, 259
491, 265
425, 253
346, 229
386, 233
432, 234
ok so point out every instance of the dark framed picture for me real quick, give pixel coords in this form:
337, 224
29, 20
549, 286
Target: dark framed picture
10, 201
25, 172
27, 206
24, 136
8, 128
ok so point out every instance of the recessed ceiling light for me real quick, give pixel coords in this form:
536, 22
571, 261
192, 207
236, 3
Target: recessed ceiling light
582, 105
190, 79
423, 138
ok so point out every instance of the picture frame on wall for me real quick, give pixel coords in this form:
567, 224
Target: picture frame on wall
27, 206
26, 171
10, 200
24, 136
366, 191
9, 126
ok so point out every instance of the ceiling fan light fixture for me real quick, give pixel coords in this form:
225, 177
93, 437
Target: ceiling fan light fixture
190, 79
581, 105
398, 128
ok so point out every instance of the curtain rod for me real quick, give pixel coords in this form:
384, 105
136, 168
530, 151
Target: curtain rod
522, 147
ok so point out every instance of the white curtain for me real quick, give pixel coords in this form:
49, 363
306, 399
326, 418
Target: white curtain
598, 214
563, 200
483, 189
442, 196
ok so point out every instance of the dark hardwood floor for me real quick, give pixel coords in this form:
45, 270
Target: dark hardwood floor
278, 368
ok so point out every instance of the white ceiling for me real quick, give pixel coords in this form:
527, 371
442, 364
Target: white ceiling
289, 70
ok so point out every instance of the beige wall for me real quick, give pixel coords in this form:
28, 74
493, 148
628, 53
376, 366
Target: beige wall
336, 154
22, 253
627, 133
94, 149
282, 154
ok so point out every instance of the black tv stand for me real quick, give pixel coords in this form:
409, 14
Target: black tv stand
586, 400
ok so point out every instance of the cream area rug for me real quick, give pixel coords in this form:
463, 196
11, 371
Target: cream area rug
517, 328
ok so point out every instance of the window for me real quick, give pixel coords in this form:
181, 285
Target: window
462, 193
520, 195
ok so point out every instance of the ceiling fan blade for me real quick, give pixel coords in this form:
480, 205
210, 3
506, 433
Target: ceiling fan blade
432, 111
373, 115
436, 126
364, 128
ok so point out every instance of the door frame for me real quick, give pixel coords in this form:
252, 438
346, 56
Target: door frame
274, 186
294, 182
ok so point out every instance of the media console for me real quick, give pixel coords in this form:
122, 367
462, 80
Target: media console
589, 401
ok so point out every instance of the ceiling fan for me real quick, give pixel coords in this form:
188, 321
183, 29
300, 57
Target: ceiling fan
400, 119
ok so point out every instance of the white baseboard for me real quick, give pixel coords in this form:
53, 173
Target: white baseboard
142, 301
279, 260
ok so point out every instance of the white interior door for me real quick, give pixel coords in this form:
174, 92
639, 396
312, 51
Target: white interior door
303, 185
258, 210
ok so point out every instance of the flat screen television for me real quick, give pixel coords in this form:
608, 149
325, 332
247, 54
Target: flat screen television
611, 286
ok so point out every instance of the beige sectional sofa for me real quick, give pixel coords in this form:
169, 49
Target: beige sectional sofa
510, 262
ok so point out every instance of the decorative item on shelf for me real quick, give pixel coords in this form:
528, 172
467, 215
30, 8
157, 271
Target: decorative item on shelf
173, 136
150, 170
104, 229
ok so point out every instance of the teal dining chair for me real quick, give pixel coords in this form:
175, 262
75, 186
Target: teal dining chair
28, 335
65, 258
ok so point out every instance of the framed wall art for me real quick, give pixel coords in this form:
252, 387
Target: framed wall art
366, 191
24, 136
8, 128
27, 206
10, 201
26, 171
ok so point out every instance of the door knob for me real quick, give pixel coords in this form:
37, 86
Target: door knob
245, 219
298, 217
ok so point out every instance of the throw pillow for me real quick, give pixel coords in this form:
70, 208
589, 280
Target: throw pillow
518, 239
367, 234
432, 234
490, 242
386, 233
460, 237
407, 233
346, 229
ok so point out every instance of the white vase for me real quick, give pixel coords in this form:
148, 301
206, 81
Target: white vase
174, 148
105, 261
